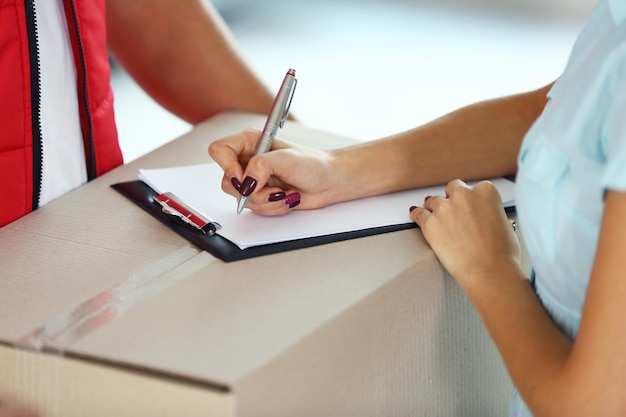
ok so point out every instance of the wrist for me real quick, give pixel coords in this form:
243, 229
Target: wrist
360, 171
484, 281
346, 179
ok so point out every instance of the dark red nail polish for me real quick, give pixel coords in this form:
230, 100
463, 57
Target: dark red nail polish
412, 208
427, 197
294, 204
292, 198
247, 186
276, 196
235, 182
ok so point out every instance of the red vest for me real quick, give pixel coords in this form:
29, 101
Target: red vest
20, 130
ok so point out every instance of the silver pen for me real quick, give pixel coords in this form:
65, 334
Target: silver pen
275, 120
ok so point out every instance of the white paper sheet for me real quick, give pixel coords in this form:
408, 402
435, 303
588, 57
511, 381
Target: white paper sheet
200, 187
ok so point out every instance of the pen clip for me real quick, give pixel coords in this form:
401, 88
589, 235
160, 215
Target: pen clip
172, 206
286, 113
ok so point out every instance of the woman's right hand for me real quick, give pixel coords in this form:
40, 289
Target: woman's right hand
286, 178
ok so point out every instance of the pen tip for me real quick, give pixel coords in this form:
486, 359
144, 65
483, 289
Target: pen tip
240, 205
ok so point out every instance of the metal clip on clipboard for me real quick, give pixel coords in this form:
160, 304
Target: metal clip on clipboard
173, 206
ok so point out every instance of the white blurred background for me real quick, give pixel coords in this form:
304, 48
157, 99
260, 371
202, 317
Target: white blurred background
371, 68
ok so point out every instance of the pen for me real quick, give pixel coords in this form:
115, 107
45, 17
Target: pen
275, 120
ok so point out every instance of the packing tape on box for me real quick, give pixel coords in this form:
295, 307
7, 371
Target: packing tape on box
64, 330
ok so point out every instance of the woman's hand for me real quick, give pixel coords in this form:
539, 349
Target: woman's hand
287, 177
469, 232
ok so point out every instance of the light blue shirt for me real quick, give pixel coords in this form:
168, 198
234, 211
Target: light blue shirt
573, 153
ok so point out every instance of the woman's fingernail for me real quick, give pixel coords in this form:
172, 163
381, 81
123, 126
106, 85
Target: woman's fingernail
235, 182
294, 204
412, 208
247, 186
292, 198
276, 196
427, 197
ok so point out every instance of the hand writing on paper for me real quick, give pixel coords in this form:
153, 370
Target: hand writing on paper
288, 177
469, 232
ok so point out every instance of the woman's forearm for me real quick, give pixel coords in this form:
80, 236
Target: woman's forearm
475, 142
533, 348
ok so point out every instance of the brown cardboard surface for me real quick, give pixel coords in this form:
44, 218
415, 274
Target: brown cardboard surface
227, 320
414, 347
369, 326
71, 250
57, 386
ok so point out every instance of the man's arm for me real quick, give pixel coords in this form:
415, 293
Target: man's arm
183, 54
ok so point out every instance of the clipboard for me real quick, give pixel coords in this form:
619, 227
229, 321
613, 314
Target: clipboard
145, 197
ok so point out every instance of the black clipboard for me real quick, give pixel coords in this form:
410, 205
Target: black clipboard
142, 195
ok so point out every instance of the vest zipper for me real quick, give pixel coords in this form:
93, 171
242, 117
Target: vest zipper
35, 96
83, 96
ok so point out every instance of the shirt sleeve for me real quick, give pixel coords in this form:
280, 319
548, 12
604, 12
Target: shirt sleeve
614, 139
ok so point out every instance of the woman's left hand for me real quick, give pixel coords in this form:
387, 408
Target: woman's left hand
469, 232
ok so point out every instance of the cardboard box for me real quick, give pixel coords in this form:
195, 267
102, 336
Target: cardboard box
104, 311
